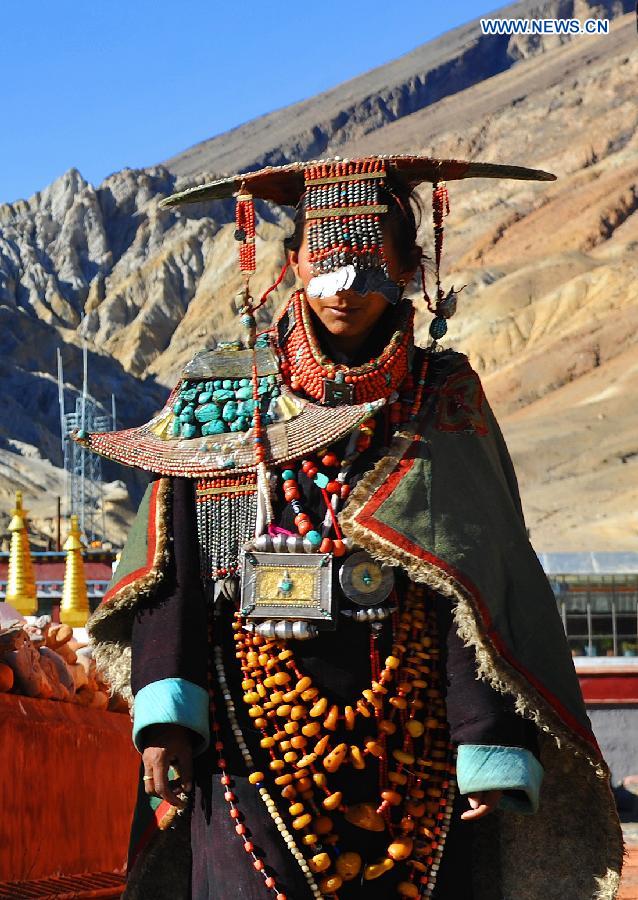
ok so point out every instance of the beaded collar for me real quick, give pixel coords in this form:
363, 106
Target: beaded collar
306, 368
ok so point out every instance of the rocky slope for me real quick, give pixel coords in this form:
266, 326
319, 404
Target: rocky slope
548, 316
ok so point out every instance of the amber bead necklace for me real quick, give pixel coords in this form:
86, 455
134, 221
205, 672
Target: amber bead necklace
406, 705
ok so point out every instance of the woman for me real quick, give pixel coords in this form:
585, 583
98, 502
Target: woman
380, 686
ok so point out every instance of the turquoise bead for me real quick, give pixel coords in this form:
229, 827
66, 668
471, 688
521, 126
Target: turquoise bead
176, 428
222, 394
314, 537
178, 406
205, 397
244, 382
287, 475
321, 480
188, 430
187, 414
207, 413
217, 384
227, 384
189, 395
216, 427
244, 393
229, 412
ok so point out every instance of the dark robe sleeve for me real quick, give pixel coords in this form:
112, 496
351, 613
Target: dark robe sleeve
170, 637
478, 714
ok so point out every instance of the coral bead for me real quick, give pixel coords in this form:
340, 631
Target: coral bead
339, 548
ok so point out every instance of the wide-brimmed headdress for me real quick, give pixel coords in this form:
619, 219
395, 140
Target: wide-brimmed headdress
344, 203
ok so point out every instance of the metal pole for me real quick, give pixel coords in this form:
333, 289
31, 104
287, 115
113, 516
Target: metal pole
61, 397
58, 530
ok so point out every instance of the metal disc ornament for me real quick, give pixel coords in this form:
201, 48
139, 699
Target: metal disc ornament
364, 581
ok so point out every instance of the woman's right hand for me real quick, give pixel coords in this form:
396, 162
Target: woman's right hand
166, 746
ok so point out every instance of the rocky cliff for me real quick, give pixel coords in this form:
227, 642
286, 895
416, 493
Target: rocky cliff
548, 316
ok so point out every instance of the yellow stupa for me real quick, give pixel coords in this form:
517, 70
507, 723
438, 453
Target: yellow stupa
74, 608
21, 589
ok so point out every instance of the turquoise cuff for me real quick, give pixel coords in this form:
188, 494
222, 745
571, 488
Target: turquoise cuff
172, 701
485, 767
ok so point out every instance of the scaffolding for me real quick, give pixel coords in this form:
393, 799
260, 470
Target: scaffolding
83, 469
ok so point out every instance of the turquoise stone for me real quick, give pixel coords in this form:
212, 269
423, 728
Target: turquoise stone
176, 428
200, 385
209, 386
207, 413
222, 394
189, 395
287, 475
239, 425
314, 537
229, 412
216, 427
235, 384
188, 430
205, 397
244, 382
217, 384
246, 408
266, 419
227, 384
321, 480
187, 414
178, 406
244, 393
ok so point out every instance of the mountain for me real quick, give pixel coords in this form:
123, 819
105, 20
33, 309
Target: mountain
548, 315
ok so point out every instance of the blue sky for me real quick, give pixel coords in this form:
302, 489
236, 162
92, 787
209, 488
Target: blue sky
103, 85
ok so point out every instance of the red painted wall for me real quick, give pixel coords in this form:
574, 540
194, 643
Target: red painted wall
67, 786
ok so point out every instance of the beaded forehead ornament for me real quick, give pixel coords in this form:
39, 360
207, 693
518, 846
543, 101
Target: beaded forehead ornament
343, 209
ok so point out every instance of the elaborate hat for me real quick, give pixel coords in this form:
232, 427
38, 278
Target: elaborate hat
285, 185
344, 201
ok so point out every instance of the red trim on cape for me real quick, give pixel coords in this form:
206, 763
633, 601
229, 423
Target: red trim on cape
366, 519
151, 547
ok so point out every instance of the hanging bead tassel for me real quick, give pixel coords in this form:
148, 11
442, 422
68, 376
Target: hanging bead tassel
245, 232
440, 208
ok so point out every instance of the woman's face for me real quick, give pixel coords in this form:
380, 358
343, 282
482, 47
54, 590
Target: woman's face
349, 317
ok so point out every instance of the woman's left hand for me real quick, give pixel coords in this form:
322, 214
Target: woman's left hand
482, 804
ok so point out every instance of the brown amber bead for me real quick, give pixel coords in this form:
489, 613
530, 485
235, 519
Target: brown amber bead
348, 865
375, 870
364, 815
